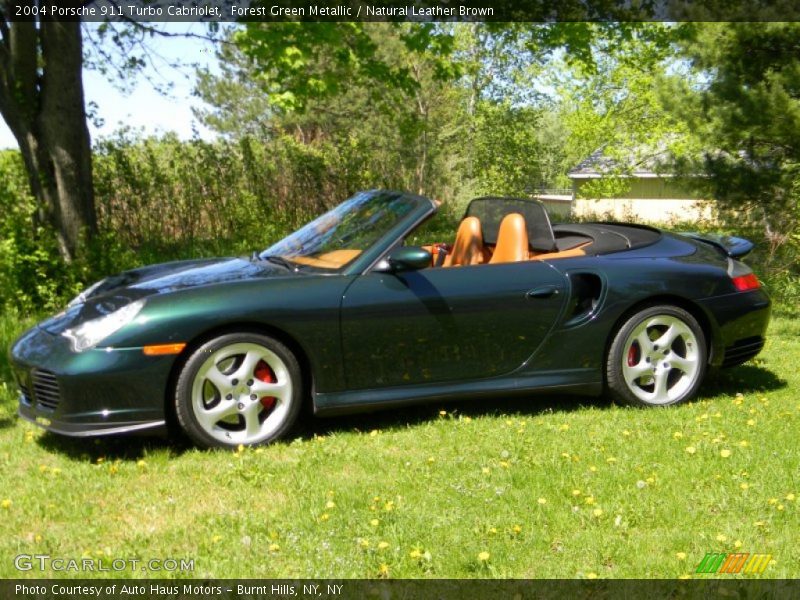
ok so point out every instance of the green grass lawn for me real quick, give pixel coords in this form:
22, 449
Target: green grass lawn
542, 487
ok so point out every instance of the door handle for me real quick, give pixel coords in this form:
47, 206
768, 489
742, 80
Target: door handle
544, 291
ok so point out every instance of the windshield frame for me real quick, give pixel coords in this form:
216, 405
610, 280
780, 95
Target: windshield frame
421, 208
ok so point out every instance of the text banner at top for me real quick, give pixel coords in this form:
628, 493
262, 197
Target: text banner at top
542, 11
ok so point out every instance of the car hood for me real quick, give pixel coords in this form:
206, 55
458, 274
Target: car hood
119, 290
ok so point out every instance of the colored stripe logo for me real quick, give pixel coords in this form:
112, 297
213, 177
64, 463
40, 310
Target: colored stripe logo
736, 562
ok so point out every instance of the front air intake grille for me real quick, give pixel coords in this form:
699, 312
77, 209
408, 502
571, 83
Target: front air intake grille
45, 389
742, 351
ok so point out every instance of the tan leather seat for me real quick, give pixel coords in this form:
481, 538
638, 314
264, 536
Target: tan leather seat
468, 247
512, 240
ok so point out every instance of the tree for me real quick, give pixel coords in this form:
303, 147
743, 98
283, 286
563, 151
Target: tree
41, 100
741, 100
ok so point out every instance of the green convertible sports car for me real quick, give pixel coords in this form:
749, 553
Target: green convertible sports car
347, 316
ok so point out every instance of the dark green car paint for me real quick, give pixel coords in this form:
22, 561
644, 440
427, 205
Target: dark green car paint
373, 337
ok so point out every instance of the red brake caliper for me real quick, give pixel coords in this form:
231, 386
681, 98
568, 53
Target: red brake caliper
633, 357
265, 374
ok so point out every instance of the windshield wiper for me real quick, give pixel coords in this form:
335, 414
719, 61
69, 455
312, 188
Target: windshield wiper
279, 260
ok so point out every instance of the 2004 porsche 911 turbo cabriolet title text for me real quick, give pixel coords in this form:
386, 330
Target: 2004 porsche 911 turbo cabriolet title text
345, 314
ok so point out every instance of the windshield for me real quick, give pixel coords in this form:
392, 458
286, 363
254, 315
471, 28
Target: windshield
339, 236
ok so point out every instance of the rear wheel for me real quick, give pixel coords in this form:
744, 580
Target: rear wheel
238, 388
658, 357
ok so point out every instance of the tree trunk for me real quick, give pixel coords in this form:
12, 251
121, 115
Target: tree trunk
41, 100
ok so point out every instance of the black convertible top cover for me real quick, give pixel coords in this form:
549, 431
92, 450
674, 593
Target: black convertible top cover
490, 210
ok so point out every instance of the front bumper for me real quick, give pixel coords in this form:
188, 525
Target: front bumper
101, 391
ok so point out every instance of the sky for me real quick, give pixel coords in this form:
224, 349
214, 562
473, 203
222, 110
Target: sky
145, 108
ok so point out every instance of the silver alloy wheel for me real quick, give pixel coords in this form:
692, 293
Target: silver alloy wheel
235, 399
661, 359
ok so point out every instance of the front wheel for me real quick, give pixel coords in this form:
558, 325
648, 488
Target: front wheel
239, 388
658, 357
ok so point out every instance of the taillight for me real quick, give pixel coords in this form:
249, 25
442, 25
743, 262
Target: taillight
744, 283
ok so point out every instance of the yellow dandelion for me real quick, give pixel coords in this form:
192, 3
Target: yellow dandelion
467, 419
442, 413
431, 459
516, 529
274, 547
483, 556
779, 507
597, 512
690, 449
677, 435
374, 522
240, 448
790, 497
215, 539
744, 486
6, 503
744, 443
389, 506
416, 553
493, 530
504, 464
364, 543
141, 464
759, 524
721, 537
589, 500
751, 422
383, 545
593, 468
564, 427
772, 501
724, 453
684, 576
737, 544
485, 470
42, 468
383, 570
591, 576
611, 460
113, 469
626, 433
576, 492
373, 433
681, 555
330, 504
565, 455
542, 500
324, 517
650, 480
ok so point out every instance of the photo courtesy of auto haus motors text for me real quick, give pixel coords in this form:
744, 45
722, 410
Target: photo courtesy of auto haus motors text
171, 590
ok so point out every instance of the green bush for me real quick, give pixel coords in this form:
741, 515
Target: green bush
32, 275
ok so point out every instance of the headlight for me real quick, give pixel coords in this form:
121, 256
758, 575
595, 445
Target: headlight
89, 333
81, 298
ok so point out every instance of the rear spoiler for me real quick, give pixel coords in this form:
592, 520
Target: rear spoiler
734, 247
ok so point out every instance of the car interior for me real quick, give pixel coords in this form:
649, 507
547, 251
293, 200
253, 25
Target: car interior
503, 230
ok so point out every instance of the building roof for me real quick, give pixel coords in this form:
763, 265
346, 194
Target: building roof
643, 163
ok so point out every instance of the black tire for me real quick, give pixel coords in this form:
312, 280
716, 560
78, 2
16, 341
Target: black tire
650, 369
241, 389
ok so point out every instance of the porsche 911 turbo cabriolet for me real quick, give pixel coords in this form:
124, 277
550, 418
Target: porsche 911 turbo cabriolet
347, 315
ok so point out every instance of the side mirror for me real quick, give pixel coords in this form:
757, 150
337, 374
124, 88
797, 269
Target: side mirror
405, 258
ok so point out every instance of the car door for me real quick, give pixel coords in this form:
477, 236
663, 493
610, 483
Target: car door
445, 324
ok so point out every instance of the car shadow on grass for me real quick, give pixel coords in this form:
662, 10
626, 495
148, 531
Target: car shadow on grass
113, 447
401, 418
744, 379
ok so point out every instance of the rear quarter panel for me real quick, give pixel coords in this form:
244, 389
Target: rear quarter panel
671, 270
